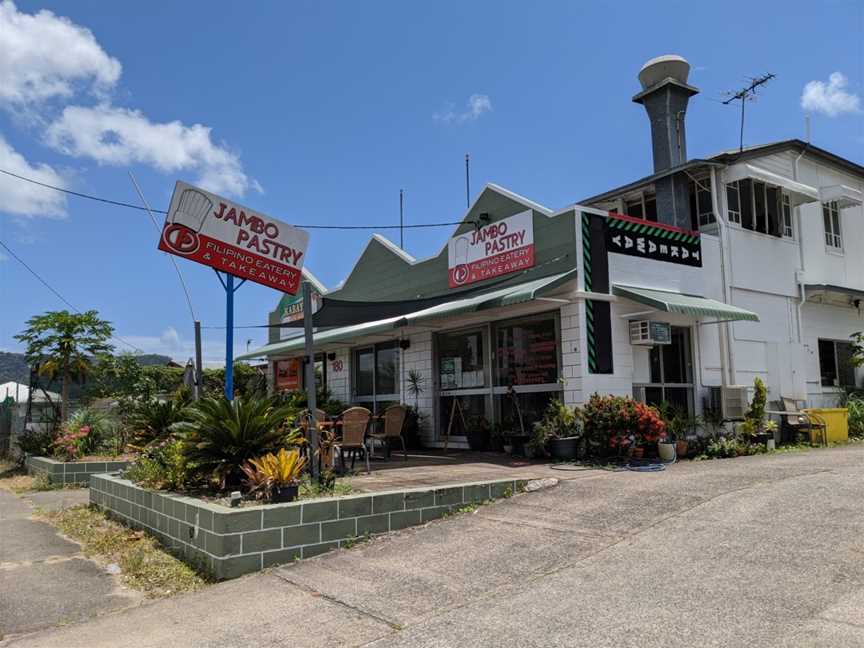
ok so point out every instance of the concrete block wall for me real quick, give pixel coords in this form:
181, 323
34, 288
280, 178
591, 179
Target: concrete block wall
232, 542
418, 357
339, 382
571, 354
71, 472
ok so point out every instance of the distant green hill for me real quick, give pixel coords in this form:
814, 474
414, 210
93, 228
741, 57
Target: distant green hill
13, 366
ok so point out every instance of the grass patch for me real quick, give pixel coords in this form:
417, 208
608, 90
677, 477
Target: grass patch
146, 566
310, 489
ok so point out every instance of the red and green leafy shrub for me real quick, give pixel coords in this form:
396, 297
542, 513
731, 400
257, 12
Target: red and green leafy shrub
618, 422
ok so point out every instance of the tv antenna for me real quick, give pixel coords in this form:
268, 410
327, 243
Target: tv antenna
747, 94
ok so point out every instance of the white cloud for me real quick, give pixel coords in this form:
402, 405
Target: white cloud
24, 198
830, 98
43, 56
476, 105
120, 136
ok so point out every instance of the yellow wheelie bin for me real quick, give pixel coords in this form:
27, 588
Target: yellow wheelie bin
836, 420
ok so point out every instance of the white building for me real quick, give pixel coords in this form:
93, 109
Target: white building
744, 262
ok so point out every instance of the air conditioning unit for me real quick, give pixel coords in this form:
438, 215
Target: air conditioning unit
649, 332
734, 401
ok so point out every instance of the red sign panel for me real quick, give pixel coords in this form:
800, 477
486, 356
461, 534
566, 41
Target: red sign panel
214, 231
288, 375
497, 249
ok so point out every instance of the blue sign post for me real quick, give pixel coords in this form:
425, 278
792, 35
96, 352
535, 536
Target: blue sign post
230, 289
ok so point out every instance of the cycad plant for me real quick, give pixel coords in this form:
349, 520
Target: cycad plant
152, 421
220, 436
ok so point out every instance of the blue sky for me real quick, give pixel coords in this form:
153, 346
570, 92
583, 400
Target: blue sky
321, 112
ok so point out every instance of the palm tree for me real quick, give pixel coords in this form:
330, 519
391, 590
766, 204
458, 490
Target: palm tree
64, 345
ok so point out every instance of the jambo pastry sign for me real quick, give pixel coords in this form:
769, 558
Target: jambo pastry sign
212, 230
496, 249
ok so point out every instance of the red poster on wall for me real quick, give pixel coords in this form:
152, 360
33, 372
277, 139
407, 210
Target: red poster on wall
288, 375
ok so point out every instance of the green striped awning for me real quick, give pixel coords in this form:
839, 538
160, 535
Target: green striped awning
509, 296
674, 302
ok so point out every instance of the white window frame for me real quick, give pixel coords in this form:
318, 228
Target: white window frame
787, 225
703, 185
732, 215
833, 229
641, 200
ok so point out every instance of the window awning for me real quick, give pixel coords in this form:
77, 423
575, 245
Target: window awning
841, 194
799, 193
674, 302
509, 296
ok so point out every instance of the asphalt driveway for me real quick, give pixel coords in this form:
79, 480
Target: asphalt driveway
45, 580
759, 551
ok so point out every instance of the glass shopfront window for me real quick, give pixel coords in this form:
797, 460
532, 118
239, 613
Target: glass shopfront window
526, 353
376, 371
479, 367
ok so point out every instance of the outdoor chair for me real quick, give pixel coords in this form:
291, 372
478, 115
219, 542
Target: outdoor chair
355, 420
394, 420
796, 422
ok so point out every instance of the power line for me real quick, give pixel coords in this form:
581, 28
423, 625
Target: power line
120, 203
170, 256
57, 294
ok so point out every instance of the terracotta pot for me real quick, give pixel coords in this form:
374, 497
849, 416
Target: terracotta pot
638, 452
681, 447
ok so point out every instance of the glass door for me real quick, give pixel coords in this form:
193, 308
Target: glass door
463, 374
671, 373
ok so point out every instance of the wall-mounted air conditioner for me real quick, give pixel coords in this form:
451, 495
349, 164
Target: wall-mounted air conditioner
649, 332
734, 400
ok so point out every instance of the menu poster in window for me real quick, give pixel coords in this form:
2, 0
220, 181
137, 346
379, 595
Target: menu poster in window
288, 375
490, 251
451, 373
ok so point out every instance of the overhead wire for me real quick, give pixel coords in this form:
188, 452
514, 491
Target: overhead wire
57, 293
170, 256
120, 203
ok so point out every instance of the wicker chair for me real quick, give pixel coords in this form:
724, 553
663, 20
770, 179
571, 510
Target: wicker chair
796, 423
394, 420
355, 420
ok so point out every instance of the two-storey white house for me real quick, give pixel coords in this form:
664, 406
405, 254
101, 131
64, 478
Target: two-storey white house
703, 275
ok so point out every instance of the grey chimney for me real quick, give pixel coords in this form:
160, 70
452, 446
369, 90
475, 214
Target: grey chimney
665, 94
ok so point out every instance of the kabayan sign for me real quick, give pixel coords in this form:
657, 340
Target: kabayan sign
214, 231
497, 249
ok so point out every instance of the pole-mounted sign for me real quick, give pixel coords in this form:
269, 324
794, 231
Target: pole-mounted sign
237, 242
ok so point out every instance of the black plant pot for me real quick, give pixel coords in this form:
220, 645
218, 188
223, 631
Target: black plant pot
282, 494
477, 439
566, 448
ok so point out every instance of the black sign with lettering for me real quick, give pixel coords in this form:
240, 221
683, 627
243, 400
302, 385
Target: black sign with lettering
650, 241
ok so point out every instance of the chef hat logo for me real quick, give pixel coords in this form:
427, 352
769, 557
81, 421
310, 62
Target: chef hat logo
192, 209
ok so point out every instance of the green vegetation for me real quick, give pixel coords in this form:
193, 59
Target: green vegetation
64, 345
220, 436
145, 565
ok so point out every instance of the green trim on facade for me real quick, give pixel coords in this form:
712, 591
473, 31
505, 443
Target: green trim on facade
672, 302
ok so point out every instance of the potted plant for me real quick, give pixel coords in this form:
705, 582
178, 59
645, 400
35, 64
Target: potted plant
275, 477
477, 433
618, 422
561, 431
755, 420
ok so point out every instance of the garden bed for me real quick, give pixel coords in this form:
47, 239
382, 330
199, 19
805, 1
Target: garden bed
231, 542
63, 473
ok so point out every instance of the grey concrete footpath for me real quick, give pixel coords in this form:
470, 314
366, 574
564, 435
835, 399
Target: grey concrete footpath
45, 581
758, 551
